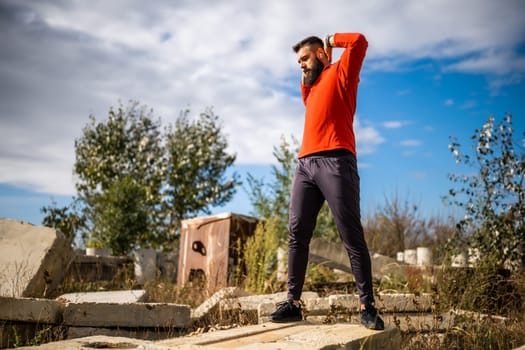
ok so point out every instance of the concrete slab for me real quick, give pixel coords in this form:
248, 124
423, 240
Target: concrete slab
405, 302
401, 304
31, 310
252, 302
98, 342
299, 335
33, 259
395, 302
136, 333
263, 305
317, 306
214, 301
120, 296
127, 315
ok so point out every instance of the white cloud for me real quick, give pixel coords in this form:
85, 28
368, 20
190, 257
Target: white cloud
411, 143
367, 138
61, 61
393, 124
449, 102
490, 61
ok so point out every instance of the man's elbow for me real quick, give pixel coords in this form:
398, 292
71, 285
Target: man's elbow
362, 40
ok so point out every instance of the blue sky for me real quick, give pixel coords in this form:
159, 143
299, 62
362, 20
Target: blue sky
434, 69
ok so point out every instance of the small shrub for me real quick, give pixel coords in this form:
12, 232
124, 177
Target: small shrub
260, 257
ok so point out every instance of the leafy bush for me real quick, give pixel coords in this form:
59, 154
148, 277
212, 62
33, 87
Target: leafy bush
493, 198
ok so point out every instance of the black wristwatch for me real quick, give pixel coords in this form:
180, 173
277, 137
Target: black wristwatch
327, 40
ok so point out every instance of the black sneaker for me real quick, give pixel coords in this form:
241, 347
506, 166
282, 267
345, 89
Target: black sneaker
287, 312
370, 319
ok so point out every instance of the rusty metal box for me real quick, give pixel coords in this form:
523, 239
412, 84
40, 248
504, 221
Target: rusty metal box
210, 248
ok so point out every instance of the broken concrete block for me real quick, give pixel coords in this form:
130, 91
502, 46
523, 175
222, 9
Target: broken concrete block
317, 306
395, 302
404, 302
349, 302
31, 310
119, 296
127, 315
312, 307
264, 310
252, 302
213, 302
33, 259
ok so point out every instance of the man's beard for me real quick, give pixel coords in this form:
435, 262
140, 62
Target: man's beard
314, 72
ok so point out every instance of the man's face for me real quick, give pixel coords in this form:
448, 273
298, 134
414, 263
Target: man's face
310, 64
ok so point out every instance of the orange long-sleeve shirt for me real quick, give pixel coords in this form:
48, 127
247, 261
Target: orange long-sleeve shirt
331, 101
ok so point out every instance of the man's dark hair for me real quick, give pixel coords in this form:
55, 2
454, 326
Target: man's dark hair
310, 41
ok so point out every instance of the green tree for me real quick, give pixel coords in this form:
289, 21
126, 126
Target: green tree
135, 183
493, 197
65, 219
196, 167
121, 216
127, 144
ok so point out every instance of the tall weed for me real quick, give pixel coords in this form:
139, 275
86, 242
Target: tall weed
260, 257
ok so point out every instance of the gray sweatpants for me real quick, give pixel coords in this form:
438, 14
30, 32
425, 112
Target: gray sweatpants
330, 176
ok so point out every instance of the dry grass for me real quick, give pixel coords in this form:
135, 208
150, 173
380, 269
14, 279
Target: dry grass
493, 301
192, 294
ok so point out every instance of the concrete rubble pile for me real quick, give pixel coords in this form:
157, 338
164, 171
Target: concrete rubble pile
34, 260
